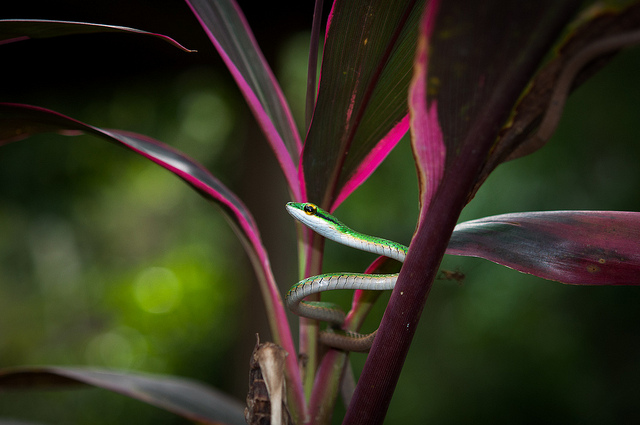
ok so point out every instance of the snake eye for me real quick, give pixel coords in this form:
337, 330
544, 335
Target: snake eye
310, 209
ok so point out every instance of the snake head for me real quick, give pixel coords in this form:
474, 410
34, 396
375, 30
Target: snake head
315, 218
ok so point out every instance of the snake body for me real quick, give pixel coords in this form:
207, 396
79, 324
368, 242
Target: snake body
331, 228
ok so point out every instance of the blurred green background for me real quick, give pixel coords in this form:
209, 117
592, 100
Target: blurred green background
108, 260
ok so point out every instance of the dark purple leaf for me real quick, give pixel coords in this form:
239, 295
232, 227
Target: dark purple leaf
481, 57
23, 29
476, 53
585, 51
20, 121
181, 396
361, 109
578, 247
227, 28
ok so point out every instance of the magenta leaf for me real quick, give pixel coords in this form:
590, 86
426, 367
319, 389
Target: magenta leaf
361, 108
227, 28
20, 121
183, 397
426, 135
12, 30
577, 247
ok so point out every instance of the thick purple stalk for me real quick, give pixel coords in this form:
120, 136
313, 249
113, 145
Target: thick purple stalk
386, 358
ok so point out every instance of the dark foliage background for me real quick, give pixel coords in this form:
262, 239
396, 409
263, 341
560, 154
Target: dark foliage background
107, 260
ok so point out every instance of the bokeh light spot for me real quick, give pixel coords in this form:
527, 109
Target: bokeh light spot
157, 290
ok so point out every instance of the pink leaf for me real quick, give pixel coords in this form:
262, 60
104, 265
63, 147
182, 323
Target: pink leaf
227, 28
576, 247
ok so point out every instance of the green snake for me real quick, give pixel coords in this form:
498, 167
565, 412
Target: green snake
331, 228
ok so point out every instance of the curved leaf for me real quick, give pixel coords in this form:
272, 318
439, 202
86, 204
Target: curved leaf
20, 121
12, 30
183, 397
564, 73
227, 28
361, 109
577, 247
583, 52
